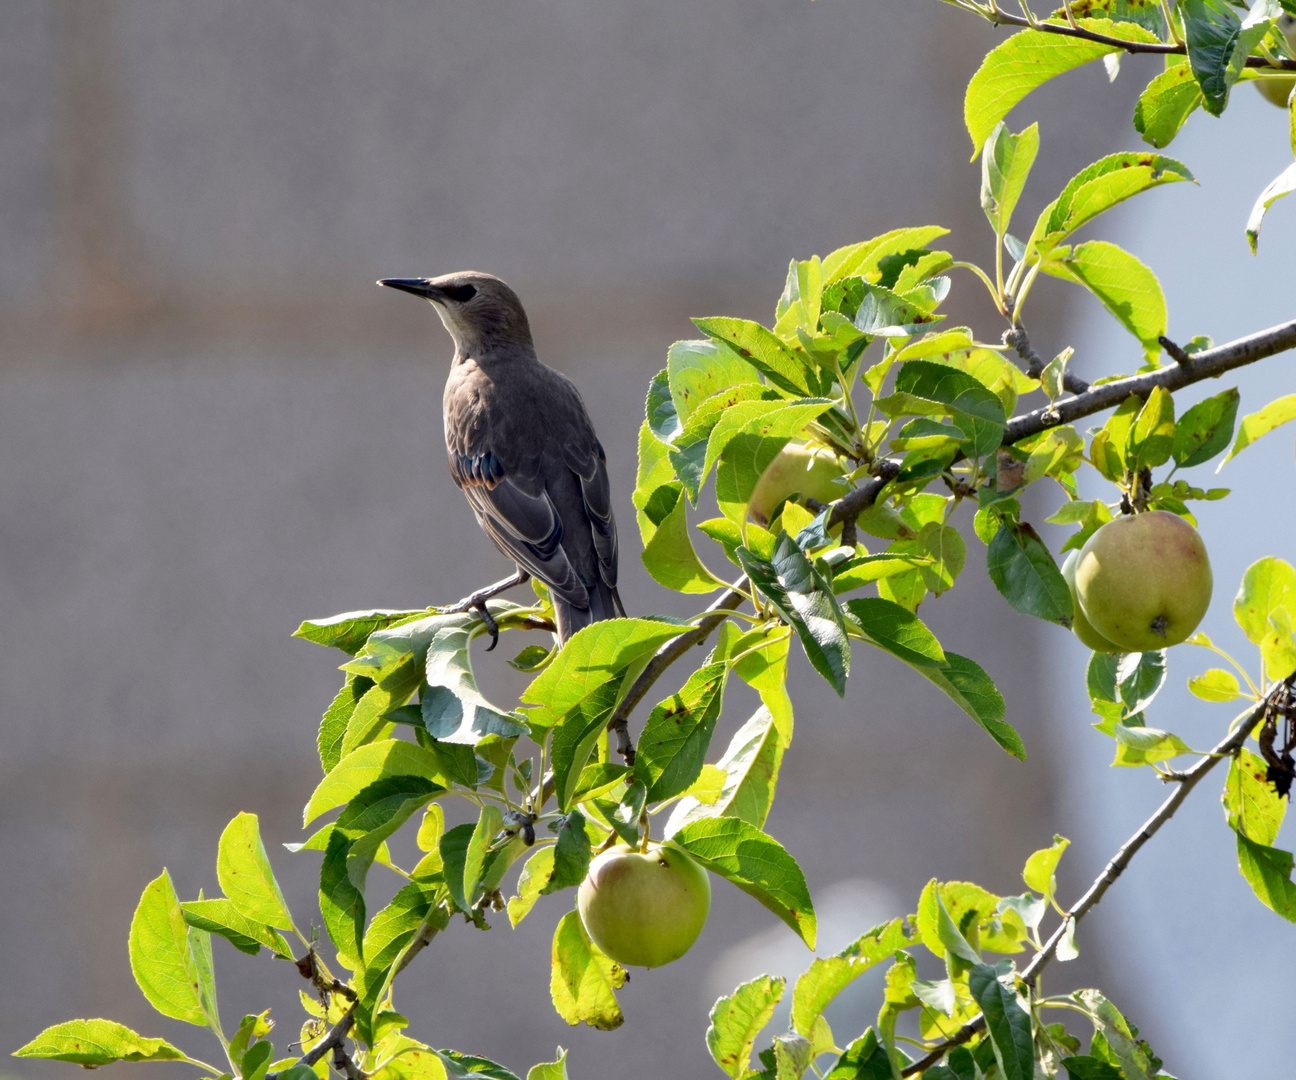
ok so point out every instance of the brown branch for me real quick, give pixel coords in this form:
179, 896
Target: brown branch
1000, 18
1185, 782
663, 658
1208, 364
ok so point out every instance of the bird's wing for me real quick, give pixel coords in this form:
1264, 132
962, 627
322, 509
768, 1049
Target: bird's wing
524, 524
590, 466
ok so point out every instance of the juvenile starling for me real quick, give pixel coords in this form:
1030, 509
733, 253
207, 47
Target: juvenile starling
523, 451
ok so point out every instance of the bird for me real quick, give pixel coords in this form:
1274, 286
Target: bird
523, 451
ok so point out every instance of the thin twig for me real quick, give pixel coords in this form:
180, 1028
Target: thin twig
1164, 48
336, 1034
662, 659
1185, 782
1015, 338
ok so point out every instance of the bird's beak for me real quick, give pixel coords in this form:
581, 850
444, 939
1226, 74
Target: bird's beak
416, 285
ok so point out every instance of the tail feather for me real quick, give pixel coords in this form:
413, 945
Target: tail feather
605, 603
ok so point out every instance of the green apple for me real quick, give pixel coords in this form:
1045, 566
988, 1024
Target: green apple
644, 909
1144, 581
1278, 89
1080, 625
811, 472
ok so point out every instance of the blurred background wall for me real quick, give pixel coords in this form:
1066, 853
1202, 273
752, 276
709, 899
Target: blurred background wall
213, 425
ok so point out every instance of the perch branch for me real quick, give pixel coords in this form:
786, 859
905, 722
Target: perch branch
663, 658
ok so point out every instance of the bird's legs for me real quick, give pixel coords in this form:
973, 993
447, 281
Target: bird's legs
476, 601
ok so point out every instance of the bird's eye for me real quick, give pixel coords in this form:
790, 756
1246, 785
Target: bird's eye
461, 294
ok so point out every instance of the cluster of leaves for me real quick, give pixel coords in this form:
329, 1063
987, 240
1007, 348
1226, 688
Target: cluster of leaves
1209, 46
955, 925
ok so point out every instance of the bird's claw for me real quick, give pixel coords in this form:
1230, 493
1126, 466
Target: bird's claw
492, 627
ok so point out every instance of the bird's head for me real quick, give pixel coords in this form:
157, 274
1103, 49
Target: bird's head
479, 310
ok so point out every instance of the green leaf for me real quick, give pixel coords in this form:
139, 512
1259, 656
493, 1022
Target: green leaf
1218, 45
687, 452
806, 602
583, 980
1268, 870
746, 440
337, 717
759, 658
1252, 805
1023, 570
761, 349
826, 978
220, 916
1104, 184
1026, 61
1268, 589
1120, 1038
1215, 685
1126, 287
350, 630
550, 1070
243, 870
660, 414
489, 824
1165, 105
736, 1021
91, 1043
863, 259
973, 691
924, 388
1280, 186
754, 861
696, 370
672, 748
1007, 1023
1205, 429
1273, 415
1006, 162
1041, 867
535, 876
360, 768
878, 311
750, 766
897, 630
571, 854
342, 905
594, 656
866, 1059
390, 933
1152, 437
162, 956
454, 710
668, 553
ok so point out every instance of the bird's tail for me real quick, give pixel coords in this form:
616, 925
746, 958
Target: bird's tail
605, 603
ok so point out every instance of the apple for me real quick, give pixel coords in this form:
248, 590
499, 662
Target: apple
811, 472
1144, 581
1278, 90
644, 909
1081, 626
